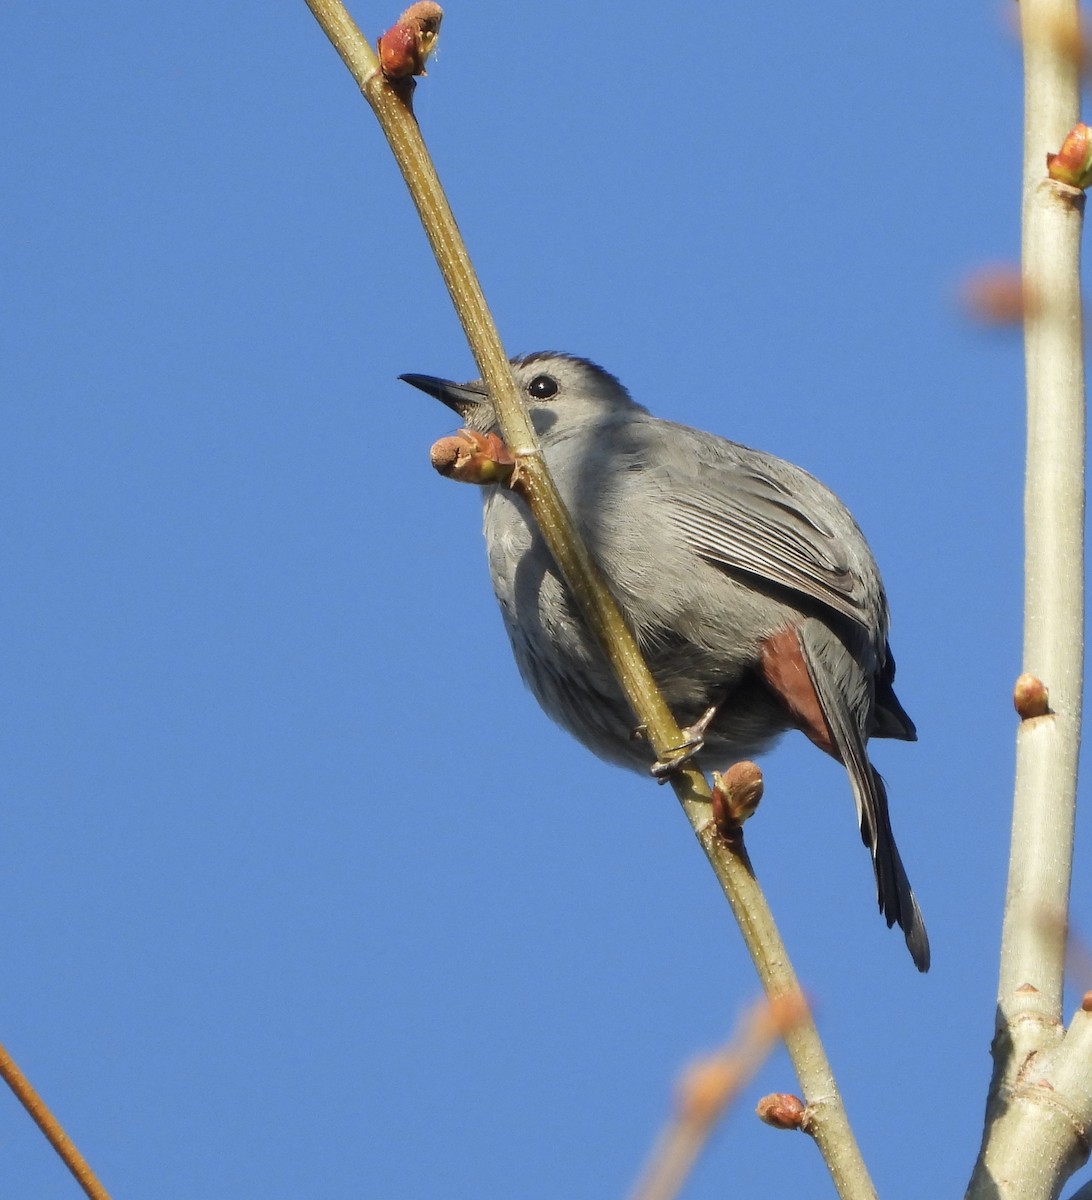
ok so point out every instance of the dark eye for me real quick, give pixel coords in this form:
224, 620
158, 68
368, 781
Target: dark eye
542, 387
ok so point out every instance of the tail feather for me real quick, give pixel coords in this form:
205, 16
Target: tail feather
896, 898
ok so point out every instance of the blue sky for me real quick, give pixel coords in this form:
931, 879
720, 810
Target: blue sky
301, 894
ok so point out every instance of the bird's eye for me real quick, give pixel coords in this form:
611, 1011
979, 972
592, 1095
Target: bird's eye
542, 387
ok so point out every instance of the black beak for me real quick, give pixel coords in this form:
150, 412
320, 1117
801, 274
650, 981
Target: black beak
461, 397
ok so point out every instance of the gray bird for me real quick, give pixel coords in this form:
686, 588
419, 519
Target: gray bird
748, 585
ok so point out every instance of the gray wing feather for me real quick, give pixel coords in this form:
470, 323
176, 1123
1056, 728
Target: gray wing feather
752, 513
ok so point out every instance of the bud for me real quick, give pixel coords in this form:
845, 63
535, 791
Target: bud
1030, 697
782, 1110
404, 48
472, 457
1073, 162
736, 794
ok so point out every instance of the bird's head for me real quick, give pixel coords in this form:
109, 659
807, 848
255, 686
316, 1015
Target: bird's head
562, 393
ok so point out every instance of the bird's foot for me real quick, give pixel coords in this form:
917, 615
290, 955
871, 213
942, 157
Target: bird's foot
677, 756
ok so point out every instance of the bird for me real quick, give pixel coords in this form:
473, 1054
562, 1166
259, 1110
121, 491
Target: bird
748, 585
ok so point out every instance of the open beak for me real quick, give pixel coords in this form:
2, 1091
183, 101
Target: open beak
461, 397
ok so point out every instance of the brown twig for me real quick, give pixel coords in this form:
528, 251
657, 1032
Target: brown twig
51, 1127
708, 1088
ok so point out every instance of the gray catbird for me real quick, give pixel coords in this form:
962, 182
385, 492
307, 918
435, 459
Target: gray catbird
747, 583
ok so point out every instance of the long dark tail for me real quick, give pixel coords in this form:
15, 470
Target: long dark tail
821, 648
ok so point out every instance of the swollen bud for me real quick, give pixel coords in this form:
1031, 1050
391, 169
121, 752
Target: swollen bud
1030, 697
736, 794
404, 48
1073, 162
472, 457
781, 1110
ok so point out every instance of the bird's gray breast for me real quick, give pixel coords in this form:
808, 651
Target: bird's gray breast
557, 656
699, 628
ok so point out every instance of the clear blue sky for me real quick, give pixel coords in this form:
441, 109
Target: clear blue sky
300, 893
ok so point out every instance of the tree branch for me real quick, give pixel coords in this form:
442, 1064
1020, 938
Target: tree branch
1034, 935
1033, 1138
729, 859
49, 1125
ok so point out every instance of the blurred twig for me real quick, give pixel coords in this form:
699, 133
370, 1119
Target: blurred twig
390, 103
707, 1089
50, 1126
1039, 1095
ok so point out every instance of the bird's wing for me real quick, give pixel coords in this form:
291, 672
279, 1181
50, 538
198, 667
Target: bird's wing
748, 512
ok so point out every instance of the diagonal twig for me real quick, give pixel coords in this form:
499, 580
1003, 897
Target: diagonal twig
50, 1126
728, 858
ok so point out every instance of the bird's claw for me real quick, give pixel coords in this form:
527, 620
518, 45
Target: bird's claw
663, 768
679, 756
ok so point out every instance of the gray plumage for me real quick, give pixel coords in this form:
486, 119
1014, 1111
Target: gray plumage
715, 554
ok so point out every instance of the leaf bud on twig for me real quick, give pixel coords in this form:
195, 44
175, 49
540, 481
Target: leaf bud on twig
782, 1110
1073, 162
472, 457
736, 794
1030, 697
405, 47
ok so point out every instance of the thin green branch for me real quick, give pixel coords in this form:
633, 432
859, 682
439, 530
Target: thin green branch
50, 1126
730, 862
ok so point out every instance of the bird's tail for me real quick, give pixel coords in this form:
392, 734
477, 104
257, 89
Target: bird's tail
824, 655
